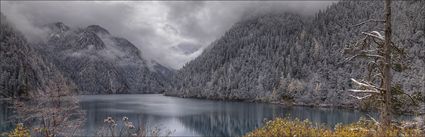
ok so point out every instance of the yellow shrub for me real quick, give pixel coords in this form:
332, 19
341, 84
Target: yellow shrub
363, 128
19, 131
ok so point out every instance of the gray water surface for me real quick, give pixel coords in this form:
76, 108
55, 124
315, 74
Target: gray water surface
196, 117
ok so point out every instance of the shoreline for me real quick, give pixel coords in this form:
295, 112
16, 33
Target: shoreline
301, 104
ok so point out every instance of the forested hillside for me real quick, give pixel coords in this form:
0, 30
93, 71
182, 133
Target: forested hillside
40, 93
24, 73
100, 63
286, 56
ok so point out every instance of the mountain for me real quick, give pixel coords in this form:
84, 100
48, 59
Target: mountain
186, 48
166, 73
286, 56
100, 63
24, 73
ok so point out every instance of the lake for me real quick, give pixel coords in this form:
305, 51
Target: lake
196, 117
190, 117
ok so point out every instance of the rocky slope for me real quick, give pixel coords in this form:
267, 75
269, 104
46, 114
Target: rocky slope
288, 57
100, 63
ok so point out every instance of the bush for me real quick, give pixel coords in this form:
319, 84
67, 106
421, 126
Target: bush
363, 128
128, 129
19, 131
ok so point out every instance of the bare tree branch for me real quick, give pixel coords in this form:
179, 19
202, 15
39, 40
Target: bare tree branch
366, 21
378, 75
362, 55
374, 34
361, 98
372, 55
351, 58
363, 84
376, 122
371, 88
377, 34
368, 51
364, 91
380, 44
397, 49
411, 98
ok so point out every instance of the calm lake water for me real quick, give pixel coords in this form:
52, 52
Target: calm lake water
196, 117
190, 117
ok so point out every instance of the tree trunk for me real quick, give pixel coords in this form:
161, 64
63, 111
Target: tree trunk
386, 114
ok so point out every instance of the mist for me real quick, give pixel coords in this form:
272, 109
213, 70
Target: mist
171, 33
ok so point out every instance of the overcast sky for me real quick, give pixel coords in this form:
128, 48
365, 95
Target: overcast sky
159, 29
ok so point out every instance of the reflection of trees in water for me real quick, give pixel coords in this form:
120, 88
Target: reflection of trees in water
96, 113
6, 116
230, 121
237, 123
218, 125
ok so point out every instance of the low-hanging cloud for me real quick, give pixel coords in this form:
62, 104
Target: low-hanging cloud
158, 28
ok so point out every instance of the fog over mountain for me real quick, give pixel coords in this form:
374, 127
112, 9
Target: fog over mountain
171, 33
212, 68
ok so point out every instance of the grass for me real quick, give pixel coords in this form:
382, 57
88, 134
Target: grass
281, 127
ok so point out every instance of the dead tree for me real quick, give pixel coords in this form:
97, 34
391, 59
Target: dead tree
386, 114
52, 111
382, 56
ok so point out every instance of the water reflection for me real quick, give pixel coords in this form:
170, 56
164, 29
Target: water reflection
6, 116
194, 117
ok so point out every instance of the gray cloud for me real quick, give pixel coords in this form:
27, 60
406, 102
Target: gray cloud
157, 28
